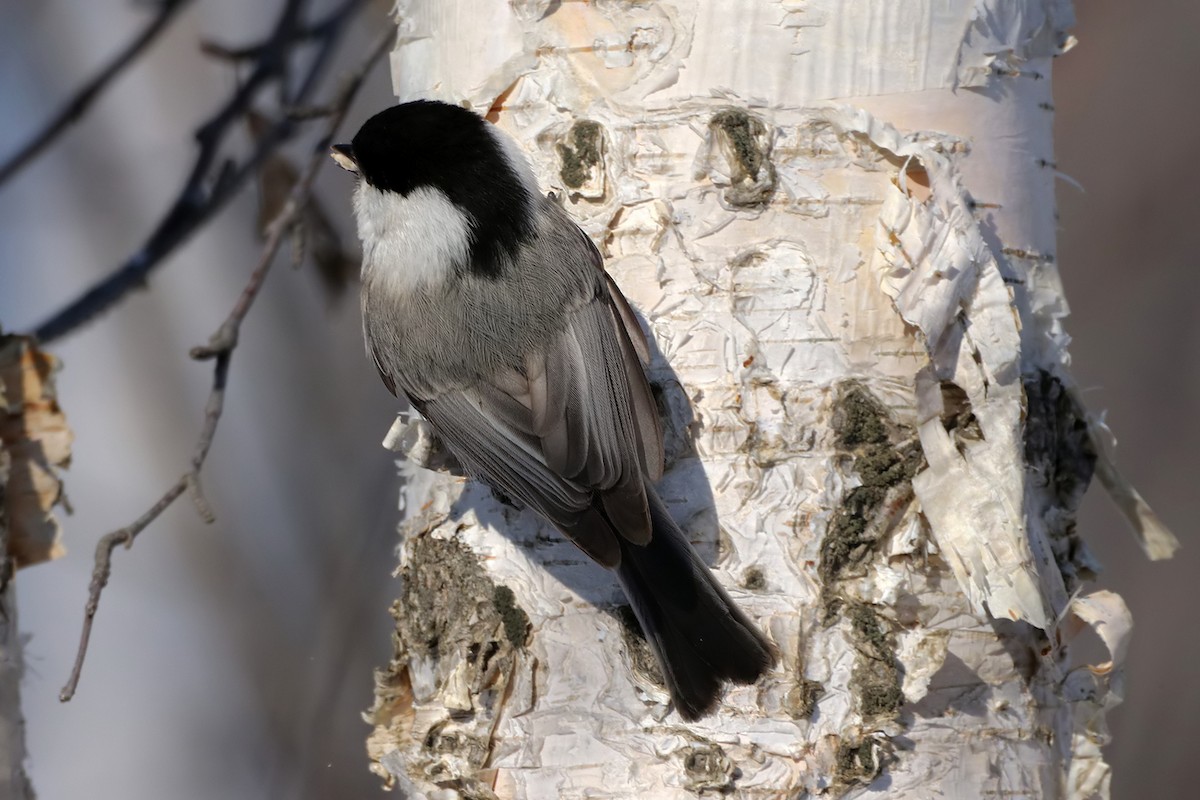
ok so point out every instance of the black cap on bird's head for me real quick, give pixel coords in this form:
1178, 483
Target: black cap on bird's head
430, 144
422, 143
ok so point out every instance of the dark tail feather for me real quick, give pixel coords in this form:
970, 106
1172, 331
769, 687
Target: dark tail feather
700, 637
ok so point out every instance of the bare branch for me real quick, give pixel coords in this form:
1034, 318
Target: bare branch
251, 52
220, 348
87, 94
209, 185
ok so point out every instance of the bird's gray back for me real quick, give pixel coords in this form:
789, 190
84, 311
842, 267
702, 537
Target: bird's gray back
452, 334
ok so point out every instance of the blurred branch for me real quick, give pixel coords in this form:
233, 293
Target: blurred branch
220, 348
210, 185
251, 52
83, 99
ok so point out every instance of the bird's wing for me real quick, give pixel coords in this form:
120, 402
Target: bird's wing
578, 424
635, 354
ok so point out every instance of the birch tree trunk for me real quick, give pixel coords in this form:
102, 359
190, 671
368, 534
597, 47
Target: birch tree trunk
838, 222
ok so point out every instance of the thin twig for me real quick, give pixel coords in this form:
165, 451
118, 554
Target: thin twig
220, 348
87, 94
209, 185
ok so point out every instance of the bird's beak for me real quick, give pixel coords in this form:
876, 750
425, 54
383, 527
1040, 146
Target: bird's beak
343, 154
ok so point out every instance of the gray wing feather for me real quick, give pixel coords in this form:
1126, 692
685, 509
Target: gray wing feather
598, 422
563, 434
490, 447
511, 462
637, 337
643, 407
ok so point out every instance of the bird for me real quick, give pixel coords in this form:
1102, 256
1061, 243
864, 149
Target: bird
489, 309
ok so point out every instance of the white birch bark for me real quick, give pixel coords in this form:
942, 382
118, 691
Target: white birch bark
838, 222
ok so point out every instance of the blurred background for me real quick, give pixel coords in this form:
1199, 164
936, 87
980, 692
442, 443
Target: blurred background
1127, 132
229, 660
233, 660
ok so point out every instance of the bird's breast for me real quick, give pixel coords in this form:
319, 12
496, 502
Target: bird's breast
412, 242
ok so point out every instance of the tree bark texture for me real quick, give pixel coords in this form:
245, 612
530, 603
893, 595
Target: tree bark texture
838, 223
35, 443
14, 782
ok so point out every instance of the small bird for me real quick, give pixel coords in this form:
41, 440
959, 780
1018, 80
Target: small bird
489, 309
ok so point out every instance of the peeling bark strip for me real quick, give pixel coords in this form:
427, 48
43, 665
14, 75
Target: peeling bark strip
35, 443
837, 220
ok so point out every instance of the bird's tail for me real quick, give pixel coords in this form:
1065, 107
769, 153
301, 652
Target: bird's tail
701, 639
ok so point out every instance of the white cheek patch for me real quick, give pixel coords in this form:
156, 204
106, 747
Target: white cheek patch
412, 241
